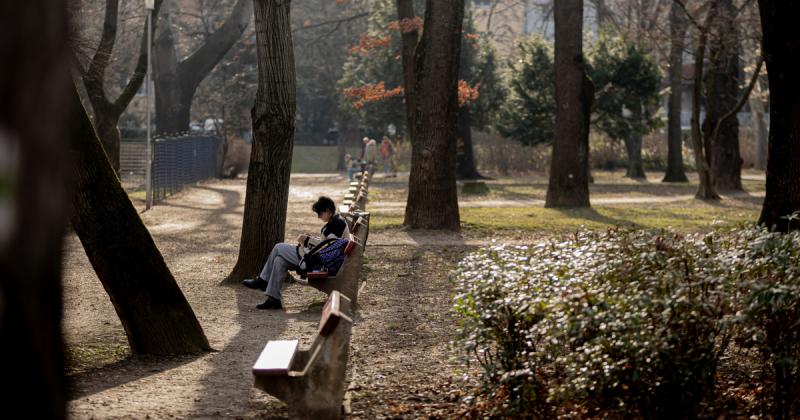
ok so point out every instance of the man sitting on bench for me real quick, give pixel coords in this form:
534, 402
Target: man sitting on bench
285, 256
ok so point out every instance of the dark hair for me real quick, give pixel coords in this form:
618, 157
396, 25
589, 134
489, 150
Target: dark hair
322, 204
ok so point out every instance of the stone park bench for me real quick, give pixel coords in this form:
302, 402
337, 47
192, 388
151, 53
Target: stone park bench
356, 197
311, 382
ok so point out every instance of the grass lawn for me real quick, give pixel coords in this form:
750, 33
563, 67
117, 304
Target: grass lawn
318, 159
687, 215
690, 218
534, 186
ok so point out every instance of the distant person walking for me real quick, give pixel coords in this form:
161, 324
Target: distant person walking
387, 156
370, 155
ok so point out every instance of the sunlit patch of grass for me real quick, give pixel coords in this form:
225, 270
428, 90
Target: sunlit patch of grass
696, 216
534, 187
85, 357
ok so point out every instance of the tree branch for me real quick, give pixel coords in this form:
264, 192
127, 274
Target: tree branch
94, 77
689, 14
194, 68
135, 82
337, 22
742, 100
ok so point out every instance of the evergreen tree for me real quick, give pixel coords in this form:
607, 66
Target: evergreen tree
528, 115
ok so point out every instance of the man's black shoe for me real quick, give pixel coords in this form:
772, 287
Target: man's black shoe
270, 303
256, 283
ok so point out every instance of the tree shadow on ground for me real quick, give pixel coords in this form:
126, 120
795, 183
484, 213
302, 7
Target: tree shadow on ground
130, 369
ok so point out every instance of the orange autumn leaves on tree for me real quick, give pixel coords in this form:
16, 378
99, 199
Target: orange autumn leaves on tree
407, 25
467, 93
370, 92
368, 43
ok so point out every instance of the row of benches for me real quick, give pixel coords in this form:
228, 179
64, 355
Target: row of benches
312, 382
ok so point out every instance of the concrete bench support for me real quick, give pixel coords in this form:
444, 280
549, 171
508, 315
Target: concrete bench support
312, 383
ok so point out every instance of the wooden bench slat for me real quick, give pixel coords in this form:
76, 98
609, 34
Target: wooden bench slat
276, 358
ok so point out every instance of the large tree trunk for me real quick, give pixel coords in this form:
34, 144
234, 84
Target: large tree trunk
107, 112
432, 193
677, 30
781, 46
633, 146
465, 155
722, 94
34, 84
409, 40
176, 82
569, 168
273, 116
106, 124
155, 314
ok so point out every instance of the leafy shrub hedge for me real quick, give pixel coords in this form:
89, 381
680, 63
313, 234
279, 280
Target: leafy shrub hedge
625, 323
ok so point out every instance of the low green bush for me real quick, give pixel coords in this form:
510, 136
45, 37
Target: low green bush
625, 323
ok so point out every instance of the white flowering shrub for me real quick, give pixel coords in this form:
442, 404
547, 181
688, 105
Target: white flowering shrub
625, 323
765, 267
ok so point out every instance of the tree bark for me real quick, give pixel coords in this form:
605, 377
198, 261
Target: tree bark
569, 176
633, 146
722, 93
678, 26
107, 112
34, 84
409, 40
273, 116
176, 81
155, 314
465, 155
781, 46
705, 189
432, 193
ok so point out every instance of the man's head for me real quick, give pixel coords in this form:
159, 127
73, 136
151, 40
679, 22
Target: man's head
325, 208
365, 140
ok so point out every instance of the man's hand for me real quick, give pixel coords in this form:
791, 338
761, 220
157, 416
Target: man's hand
301, 239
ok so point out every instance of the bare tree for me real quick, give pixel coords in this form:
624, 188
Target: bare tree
722, 93
273, 133
781, 44
409, 39
107, 112
432, 194
569, 168
34, 84
155, 314
176, 81
677, 30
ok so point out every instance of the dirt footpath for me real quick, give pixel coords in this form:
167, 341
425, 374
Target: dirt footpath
401, 362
